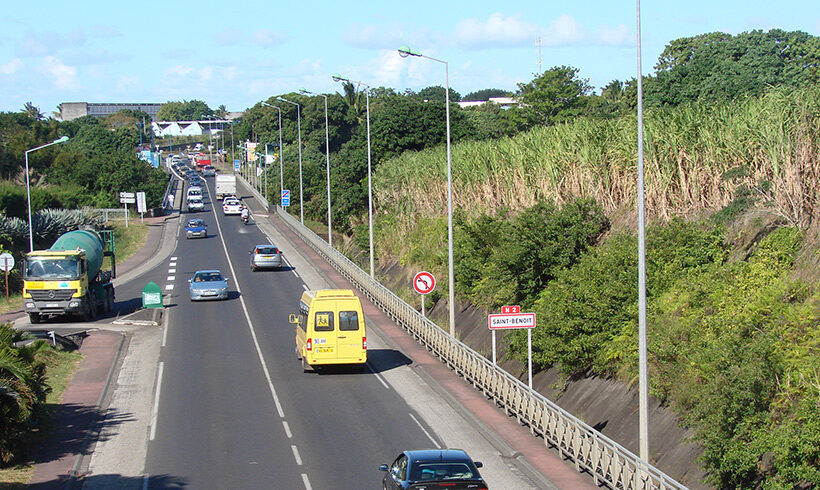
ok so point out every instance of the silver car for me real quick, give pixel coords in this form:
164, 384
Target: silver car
265, 257
208, 284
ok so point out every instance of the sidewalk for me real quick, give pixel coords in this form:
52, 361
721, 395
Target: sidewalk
78, 419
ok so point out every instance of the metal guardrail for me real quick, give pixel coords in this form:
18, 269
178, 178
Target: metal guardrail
111, 214
607, 461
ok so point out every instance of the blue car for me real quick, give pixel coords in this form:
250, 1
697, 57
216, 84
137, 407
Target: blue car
196, 228
433, 468
208, 284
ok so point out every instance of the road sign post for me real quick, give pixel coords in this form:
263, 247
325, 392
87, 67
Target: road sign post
511, 318
7, 263
424, 283
141, 207
127, 198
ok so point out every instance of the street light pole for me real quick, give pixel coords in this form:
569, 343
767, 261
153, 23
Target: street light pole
404, 52
327, 160
643, 377
299, 132
281, 151
339, 78
28, 190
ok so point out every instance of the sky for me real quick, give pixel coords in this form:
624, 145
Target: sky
239, 52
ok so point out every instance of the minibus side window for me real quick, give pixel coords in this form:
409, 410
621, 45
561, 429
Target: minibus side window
348, 320
323, 321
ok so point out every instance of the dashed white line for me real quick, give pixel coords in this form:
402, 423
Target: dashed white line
304, 286
164, 334
172, 271
296, 455
173, 259
170, 278
424, 430
169, 287
306, 482
155, 410
287, 429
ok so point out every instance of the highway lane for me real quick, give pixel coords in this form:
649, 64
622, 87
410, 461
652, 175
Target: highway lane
218, 423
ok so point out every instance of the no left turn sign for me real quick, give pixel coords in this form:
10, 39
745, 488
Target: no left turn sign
424, 282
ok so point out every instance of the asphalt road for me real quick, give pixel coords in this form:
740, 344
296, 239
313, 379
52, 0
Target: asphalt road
235, 410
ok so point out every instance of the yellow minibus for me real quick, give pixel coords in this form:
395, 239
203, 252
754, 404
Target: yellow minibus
330, 328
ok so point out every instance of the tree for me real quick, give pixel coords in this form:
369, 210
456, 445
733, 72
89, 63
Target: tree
221, 112
486, 94
33, 111
192, 110
556, 95
436, 92
58, 112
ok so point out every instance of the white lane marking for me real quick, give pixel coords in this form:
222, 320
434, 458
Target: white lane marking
287, 429
304, 286
378, 376
169, 287
248, 318
173, 258
306, 482
293, 270
296, 455
424, 430
172, 271
155, 410
170, 278
164, 334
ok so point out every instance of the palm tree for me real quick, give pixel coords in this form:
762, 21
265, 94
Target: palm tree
58, 114
33, 111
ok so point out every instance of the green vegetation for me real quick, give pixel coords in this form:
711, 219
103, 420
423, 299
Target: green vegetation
33, 379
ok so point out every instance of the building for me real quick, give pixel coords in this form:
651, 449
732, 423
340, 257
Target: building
504, 102
73, 110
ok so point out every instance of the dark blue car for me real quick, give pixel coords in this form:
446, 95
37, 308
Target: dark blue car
196, 228
433, 468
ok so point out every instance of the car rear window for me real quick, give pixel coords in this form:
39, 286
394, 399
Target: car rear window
267, 250
348, 320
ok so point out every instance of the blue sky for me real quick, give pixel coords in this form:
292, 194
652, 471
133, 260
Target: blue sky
237, 53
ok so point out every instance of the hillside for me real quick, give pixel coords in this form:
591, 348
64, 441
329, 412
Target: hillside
545, 219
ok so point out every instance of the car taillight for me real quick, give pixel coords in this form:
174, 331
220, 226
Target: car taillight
309, 345
364, 343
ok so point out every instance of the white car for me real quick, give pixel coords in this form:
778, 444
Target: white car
231, 206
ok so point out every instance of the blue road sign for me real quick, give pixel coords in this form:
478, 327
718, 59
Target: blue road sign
285, 197
236, 165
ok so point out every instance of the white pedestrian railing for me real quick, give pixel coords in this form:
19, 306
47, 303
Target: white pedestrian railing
606, 461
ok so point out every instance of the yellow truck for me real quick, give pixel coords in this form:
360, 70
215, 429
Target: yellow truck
330, 329
68, 277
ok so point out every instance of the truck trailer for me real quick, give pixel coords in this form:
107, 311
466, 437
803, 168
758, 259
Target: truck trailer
225, 184
68, 277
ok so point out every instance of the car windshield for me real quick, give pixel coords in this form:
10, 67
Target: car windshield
441, 471
196, 223
208, 277
51, 268
267, 250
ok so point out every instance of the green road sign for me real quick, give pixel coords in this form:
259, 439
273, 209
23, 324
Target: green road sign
151, 296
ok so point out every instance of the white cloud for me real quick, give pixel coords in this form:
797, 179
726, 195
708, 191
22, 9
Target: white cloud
48, 43
564, 30
265, 37
389, 36
128, 85
614, 36
11, 67
227, 36
497, 31
65, 77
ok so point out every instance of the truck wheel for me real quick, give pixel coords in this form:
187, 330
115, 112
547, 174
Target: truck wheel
34, 318
111, 299
104, 306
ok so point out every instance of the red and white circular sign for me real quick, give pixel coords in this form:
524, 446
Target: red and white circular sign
424, 282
